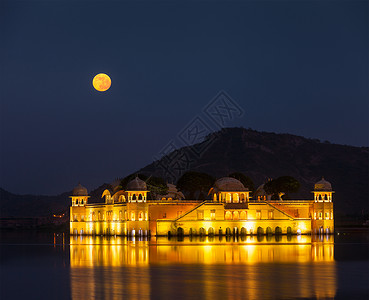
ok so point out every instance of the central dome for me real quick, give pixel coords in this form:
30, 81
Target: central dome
80, 190
136, 185
229, 184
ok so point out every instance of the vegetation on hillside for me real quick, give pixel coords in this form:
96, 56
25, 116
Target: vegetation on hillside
195, 185
281, 186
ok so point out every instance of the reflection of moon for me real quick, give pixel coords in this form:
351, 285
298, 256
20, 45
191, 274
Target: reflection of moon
101, 82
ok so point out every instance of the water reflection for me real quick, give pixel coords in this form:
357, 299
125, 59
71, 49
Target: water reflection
296, 266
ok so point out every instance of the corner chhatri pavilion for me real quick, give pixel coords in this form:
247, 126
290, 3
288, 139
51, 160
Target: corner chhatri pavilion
229, 212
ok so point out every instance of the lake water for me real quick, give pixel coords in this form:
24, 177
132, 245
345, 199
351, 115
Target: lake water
36, 265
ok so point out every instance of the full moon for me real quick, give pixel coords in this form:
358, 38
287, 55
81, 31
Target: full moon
101, 82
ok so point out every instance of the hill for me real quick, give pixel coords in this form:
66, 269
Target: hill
263, 155
34, 206
20, 206
259, 155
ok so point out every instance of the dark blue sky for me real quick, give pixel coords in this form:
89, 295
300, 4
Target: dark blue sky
300, 68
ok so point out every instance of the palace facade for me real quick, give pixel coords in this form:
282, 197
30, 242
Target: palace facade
231, 211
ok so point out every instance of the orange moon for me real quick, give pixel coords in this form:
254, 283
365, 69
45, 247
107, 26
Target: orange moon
101, 82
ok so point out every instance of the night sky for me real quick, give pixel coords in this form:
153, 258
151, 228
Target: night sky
299, 68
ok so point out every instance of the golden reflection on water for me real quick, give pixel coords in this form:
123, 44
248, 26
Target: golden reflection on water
297, 266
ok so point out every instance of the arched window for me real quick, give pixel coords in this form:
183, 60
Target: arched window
215, 197
320, 197
134, 197
325, 197
228, 231
76, 201
228, 215
211, 231
289, 230
269, 231
140, 197
228, 198
278, 230
243, 215
243, 231
242, 198
140, 216
235, 215
132, 216
202, 231
260, 231
236, 198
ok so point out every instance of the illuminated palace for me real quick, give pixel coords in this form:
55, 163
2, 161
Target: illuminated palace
229, 212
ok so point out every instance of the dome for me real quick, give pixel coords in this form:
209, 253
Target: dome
323, 185
229, 184
80, 190
136, 185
